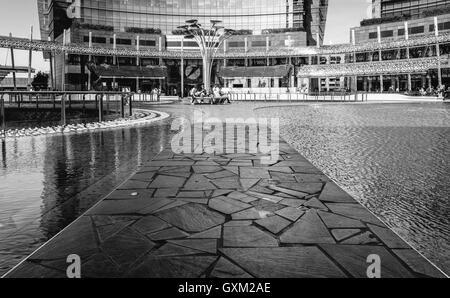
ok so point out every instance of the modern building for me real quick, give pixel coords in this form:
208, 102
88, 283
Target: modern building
410, 8
151, 25
396, 21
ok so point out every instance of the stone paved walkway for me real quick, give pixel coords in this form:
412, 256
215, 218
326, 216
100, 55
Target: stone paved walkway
227, 215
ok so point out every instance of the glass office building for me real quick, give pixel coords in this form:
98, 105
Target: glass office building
167, 15
152, 25
413, 8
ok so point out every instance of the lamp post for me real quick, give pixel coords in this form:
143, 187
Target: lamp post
209, 40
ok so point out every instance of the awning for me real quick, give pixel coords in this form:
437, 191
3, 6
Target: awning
279, 71
129, 72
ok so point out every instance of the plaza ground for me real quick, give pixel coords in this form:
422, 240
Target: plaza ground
227, 215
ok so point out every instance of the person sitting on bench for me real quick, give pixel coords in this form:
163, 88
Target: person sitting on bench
219, 96
193, 94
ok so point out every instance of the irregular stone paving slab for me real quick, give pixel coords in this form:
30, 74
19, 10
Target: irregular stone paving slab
173, 250
221, 174
290, 213
171, 233
227, 206
274, 224
251, 213
193, 194
306, 187
311, 178
247, 236
241, 197
172, 267
284, 262
333, 193
79, 239
163, 181
234, 170
355, 211
229, 183
99, 266
192, 217
292, 202
309, 229
275, 169
174, 204
248, 183
166, 192
263, 205
106, 231
205, 169
150, 224
250, 172
131, 194
267, 197
315, 203
305, 170
196, 201
226, 269
214, 233
291, 192
366, 238
416, 262
282, 177
126, 247
134, 184
388, 237
145, 176
221, 192
340, 234
198, 182
205, 245
238, 223
332, 221
34, 270
354, 259
143, 207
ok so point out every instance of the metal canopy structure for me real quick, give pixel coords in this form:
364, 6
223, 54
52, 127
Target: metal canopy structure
279, 71
419, 65
129, 72
81, 49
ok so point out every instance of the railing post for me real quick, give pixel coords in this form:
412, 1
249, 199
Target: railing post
54, 101
63, 110
84, 102
2, 111
70, 101
100, 108
37, 101
122, 106
131, 105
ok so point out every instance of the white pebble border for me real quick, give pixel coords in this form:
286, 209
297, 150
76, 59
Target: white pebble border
140, 116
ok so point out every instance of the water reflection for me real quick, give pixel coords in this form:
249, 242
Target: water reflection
47, 182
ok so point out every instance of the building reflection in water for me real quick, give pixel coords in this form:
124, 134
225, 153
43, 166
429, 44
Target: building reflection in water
51, 180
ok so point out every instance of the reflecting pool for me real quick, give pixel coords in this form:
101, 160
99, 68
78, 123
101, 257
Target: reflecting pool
47, 182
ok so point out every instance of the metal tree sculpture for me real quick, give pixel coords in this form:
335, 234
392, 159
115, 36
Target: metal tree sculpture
209, 41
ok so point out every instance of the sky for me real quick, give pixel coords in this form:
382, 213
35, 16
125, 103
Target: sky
17, 17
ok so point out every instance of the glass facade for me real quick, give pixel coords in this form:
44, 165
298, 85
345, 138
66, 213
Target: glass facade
410, 7
167, 15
